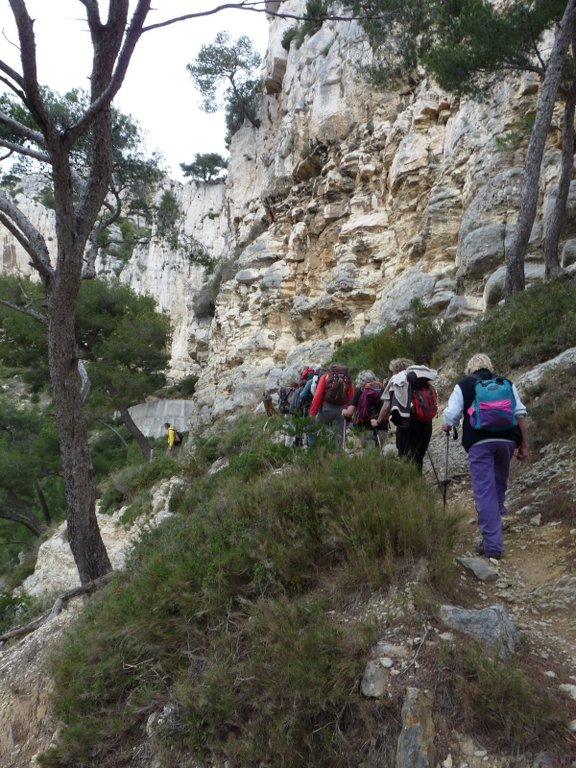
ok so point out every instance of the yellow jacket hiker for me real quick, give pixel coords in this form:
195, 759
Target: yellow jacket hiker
172, 436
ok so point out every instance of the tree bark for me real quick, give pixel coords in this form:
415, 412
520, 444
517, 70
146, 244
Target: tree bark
136, 433
552, 236
86, 543
529, 187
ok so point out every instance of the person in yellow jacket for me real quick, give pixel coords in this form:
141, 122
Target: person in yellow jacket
171, 436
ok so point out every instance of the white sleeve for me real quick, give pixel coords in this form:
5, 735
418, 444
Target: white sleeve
453, 411
520, 409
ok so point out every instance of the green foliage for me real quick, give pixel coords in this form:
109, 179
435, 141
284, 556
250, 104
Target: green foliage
517, 135
23, 346
418, 340
502, 698
234, 576
47, 198
551, 407
290, 33
536, 325
225, 73
11, 609
131, 234
315, 13
29, 468
133, 171
169, 223
125, 486
109, 449
168, 218
207, 167
464, 44
125, 342
183, 388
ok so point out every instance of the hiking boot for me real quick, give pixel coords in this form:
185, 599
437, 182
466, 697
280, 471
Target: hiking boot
479, 549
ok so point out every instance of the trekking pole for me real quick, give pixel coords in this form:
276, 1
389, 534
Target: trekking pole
438, 481
446, 478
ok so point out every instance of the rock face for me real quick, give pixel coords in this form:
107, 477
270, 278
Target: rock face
341, 209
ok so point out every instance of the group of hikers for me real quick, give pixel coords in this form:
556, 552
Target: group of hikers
489, 407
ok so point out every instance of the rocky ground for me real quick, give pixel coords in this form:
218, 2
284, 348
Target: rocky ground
535, 582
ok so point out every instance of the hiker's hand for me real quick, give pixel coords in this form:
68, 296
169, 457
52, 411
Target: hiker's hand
522, 452
374, 423
446, 427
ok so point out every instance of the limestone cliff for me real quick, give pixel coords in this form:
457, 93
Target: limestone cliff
344, 206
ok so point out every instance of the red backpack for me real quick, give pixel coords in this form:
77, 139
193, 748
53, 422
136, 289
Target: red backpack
424, 400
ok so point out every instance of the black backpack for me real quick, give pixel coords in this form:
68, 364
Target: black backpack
177, 437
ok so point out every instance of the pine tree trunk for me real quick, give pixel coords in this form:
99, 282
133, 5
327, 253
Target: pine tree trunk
530, 184
552, 237
83, 533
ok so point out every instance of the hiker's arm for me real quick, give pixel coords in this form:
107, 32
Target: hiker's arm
318, 396
522, 452
453, 411
383, 415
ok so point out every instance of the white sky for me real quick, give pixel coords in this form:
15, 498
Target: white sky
158, 90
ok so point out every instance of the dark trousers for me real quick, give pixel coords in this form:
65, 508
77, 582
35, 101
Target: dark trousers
412, 441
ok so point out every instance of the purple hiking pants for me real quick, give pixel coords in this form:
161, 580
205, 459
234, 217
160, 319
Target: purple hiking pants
489, 462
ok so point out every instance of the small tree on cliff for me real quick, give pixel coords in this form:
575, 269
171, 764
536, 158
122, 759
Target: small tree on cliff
205, 167
231, 68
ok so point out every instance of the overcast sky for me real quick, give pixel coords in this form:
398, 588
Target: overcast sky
158, 90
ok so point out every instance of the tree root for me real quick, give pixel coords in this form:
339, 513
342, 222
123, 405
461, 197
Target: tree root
60, 603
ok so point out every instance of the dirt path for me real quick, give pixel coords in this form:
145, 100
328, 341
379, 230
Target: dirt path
537, 576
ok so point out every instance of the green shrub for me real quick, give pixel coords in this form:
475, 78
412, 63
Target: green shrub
418, 340
133, 481
183, 388
536, 325
503, 698
289, 35
208, 597
551, 407
12, 609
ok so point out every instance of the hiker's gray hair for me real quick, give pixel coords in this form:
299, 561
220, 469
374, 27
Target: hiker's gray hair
365, 377
399, 364
476, 362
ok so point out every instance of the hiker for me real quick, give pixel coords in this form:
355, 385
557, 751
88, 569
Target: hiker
172, 437
489, 445
364, 406
413, 430
333, 393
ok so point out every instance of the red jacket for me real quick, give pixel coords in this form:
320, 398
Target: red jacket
318, 398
